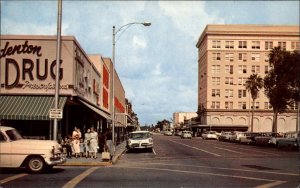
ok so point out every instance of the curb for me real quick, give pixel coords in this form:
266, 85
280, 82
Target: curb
86, 164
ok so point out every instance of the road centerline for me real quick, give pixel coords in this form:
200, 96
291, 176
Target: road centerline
73, 182
11, 178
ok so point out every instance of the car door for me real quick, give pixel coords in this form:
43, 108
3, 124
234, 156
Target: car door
5, 151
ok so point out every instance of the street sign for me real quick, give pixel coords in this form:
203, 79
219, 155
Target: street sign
55, 113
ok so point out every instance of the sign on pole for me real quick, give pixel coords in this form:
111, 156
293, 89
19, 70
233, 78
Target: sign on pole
55, 113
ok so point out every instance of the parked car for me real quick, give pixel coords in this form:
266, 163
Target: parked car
35, 155
186, 134
225, 136
178, 133
168, 133
291, 141
210, 135
139, 140
263, 139
249, 138
236, 136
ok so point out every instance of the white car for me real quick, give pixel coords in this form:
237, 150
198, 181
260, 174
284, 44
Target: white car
210, 135
35, 155
139, 140
186, 134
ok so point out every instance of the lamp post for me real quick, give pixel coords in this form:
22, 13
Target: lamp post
113, 75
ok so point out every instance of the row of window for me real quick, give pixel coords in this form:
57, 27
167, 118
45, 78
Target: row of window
242, 69
242, 57
241, 105
229, 44
242, 93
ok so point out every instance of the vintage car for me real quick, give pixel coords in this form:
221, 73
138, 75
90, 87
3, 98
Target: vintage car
139, 140
35, 155
186, 134
210, 135
290, 141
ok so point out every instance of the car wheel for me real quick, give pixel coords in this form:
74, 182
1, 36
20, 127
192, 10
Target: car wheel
35, 164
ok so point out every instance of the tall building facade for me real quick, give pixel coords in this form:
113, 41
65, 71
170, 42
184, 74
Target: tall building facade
227, 56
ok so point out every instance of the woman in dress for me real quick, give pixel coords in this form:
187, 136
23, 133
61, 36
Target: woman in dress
93, 143
75, 142
87, 140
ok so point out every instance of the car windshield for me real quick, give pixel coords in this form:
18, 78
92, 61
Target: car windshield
13, 135
139, 135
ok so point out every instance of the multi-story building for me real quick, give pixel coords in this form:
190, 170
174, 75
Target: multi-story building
180, 118
227, 56
27, 82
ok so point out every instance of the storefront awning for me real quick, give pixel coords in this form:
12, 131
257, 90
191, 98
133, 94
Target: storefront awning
98, 111
28, 107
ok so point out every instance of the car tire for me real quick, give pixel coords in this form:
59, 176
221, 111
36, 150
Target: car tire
35, 164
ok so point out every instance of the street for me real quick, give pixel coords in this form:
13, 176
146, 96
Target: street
175, 162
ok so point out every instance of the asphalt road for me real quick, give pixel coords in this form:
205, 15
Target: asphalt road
175, 162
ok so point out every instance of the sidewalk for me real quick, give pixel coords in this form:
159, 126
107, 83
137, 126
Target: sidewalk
82, 161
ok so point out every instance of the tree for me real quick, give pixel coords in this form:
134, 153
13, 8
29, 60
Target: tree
277, 83
253, 84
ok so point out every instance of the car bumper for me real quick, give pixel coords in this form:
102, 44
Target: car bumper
56, 161
140, 145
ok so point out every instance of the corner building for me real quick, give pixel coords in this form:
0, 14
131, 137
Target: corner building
227, 56
27, 80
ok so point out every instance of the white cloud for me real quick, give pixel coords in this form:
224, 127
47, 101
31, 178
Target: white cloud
139, 42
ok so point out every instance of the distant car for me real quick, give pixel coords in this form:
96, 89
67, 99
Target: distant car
186, 134
225, 136
291, 141
236, 136
168, 133
210, 135
178, 133
139, 140
35, 155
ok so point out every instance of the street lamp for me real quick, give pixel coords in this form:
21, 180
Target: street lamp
113, 75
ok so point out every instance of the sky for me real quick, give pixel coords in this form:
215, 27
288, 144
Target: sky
157, 65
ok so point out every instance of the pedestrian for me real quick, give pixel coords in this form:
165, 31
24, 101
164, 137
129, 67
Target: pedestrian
109, 144
75, 142
68, 147
87, 142
93, 143
82, 147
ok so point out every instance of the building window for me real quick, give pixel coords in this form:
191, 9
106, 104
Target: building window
229, 57
216, 56
229, 105
215, 81
255, 44
282, 45
215, 105
295, 45
243, 57
255, 69
243, 44
268, 45
229, 44
267, 106
228, 69
242, 69
215, 93
216, 44
242, 93
228, 93
266, 57
242, 81
229, 80
215, 69
267, 69
255, 57
242, 105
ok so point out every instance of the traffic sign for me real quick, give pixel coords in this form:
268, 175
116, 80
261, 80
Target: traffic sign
56, 113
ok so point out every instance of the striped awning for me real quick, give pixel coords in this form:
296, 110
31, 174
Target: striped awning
28, 107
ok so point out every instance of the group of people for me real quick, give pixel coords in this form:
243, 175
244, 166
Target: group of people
86, 145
